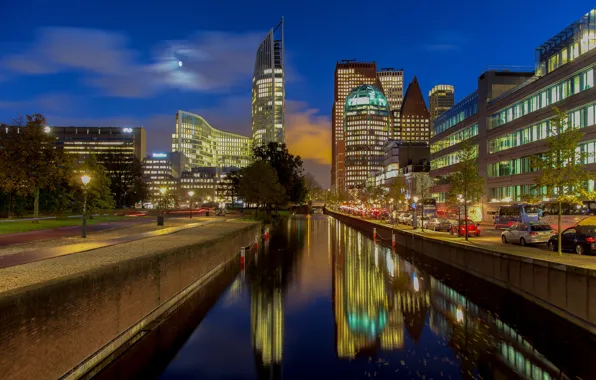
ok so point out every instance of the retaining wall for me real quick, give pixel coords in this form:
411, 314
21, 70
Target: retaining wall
566, 290
49, 329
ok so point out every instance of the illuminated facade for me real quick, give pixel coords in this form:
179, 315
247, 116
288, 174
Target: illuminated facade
412, 122
367, 123
85, 141
268, 89
349, 74
508, 117
208, 183
206, 146
163, 170
392, 84
440, 98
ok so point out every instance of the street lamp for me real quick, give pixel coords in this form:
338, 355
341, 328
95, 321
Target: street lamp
190, 194
85, 179
415, 218
160, 218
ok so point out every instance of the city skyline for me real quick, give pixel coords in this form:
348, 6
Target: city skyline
132, 77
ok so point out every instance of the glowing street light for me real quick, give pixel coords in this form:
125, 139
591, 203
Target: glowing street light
85, 180
459, 315
160, 218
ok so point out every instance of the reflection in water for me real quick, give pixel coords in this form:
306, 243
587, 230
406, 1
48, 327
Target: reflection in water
322, 300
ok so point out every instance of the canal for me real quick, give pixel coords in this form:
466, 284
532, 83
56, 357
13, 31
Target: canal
322, 300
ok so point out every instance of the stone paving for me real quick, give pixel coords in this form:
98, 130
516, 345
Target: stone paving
65, 265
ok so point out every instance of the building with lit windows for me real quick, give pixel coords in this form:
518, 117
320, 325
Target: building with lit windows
207, 183
349, 74
268, 89
163, 170
85, 141
391, 82
367, 123
508, 117
440, 99
411, 123
206, 146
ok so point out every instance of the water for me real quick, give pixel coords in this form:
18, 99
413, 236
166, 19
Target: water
324, 301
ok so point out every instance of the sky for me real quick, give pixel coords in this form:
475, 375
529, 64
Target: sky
115, 63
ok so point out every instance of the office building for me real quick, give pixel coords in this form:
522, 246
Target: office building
268, 89
508, 117
400, 158
208, 183
367, 123
411, 123
162, 170
206, 146
391, 82
84, 141
440, 99
349, 74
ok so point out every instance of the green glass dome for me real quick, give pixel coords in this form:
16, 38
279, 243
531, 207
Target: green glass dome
366, 95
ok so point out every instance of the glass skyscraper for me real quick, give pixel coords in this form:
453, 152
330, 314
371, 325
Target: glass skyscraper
268, 89
207, 146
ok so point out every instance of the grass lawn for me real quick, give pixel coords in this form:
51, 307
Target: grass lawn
28, 225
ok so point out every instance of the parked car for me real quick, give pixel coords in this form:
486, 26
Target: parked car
405, 218
580, 239
459, 228
527, 233
438, 224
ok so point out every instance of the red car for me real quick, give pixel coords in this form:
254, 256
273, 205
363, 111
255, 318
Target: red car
460, 230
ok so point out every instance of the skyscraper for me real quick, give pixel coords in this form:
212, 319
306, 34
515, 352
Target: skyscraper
412, 122
367, 123
440, 99
349, 74
392, 85
268, 89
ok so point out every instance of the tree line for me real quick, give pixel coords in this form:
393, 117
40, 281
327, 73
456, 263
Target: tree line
38, 176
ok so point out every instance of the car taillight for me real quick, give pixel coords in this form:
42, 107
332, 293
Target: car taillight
591, 239
533, 233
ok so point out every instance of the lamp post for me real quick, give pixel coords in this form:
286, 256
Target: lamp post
85, 179
160, 218
415, 218
190, 194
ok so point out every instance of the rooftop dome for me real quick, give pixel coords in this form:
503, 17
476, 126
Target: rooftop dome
366, 95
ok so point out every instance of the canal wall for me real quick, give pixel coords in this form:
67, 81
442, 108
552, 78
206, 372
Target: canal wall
566, 290
65, 327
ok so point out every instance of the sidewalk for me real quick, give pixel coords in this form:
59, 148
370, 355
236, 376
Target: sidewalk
491, 243
36, 251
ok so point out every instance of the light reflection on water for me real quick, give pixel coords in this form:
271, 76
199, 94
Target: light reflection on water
321, 300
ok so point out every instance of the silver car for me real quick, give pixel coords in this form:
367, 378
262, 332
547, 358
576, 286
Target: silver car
527, 233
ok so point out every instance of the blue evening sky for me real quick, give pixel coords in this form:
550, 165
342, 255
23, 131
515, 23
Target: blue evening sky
116, 62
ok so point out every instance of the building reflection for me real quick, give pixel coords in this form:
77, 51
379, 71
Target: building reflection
378, 297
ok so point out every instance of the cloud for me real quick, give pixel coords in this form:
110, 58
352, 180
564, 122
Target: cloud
445, 41
308, 134
51, 102
211, 61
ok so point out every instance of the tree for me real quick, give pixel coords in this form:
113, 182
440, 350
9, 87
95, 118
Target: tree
99, 194
45, 164
561, 167
287, 167
229, 185
422, 188
13, 174
126, 177
259, 184
466, 181
397, 190
312, 187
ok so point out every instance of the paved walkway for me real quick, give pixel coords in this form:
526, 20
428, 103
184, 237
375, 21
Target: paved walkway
38, 251
492, 241
55, 233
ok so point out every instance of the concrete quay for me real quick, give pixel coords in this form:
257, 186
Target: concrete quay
61, 317
564, 285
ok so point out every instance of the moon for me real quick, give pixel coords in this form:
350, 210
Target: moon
179, 63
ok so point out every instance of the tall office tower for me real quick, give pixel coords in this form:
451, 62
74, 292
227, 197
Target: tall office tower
367, 123
412, 122
440, 99
392, 85
349, 74
268, 89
